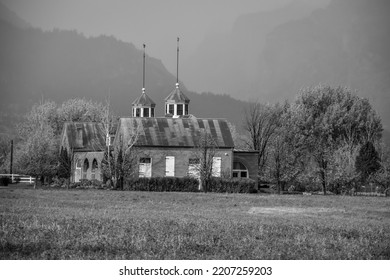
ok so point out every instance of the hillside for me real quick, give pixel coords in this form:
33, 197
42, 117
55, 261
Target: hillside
271, 55
59, 65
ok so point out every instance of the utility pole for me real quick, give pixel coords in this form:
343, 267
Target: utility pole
11, 160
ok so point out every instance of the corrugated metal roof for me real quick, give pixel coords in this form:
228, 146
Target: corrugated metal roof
175, 132
145, 100
177, 96
84, 136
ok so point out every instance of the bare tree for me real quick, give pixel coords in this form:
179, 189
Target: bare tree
203, 160
261, 122
121, 161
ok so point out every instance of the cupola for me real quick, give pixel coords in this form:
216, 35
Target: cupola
176, 103
143, 106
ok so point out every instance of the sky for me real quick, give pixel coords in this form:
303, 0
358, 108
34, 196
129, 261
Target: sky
157, 23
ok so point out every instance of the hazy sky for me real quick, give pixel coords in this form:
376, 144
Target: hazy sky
156, 23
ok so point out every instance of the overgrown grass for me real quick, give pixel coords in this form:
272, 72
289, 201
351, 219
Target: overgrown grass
100, 224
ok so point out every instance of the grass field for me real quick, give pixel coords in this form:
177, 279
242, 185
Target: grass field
101, 224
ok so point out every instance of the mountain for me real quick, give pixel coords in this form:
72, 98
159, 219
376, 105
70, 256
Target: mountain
9, 16
269, 56
232, 58
59, 65
346, 43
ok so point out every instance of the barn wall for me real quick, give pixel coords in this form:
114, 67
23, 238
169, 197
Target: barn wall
182, 156
249, 159
90, 156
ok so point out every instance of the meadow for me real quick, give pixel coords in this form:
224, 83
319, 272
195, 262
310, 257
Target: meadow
102, 224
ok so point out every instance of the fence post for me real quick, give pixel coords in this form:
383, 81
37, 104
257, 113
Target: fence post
12, 177
30, 180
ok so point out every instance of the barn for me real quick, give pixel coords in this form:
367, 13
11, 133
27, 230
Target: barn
85, 143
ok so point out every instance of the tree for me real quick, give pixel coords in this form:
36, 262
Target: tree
121, 161
367, 161
286, 151
328, 118
203, 159
261, 123
4, 153
39, 153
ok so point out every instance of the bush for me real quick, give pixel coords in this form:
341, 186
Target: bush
222, 185
187, 184
4, 181
162, 184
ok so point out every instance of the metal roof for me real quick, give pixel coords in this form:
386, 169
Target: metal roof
145, 100
177, 96
174, 132
86, 136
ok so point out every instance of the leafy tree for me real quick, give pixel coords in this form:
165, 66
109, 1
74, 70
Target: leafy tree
286, 151
329, 118
39, 153
367, 161
4, 153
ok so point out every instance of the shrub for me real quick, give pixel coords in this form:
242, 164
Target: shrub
222, 185
162, 184
4, 181
187, 184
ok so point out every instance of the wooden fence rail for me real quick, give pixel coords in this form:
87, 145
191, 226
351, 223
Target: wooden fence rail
18, 178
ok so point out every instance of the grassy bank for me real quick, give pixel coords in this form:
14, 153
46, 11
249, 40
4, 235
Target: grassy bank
100, 224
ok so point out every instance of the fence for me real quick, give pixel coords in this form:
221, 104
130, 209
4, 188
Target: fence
17, 178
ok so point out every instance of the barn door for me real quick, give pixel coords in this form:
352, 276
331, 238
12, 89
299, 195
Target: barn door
169, 166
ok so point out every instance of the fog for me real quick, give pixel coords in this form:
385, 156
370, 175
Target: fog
153, 22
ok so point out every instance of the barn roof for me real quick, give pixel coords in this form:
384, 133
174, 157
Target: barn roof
144, 100
86, 136
177, 96
175, 132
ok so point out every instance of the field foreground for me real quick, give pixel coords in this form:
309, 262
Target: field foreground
101, 224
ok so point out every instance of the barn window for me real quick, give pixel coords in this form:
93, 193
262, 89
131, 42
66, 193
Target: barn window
146, 112
240, 170
171, 109
180, 109
186, 109
94, 168
152, 112
145, 167
193, 167
85, 168
137, 112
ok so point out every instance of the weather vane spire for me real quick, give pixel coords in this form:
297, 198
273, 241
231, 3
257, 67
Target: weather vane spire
177, 64
143, 75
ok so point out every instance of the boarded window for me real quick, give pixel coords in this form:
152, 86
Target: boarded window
145, 168
216, 170
169, 166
